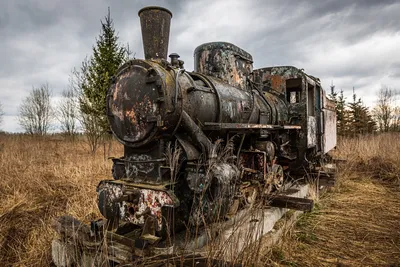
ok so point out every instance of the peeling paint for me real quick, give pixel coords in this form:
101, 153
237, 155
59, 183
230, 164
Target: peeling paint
145, 202
134, 169
225, 61
150, 201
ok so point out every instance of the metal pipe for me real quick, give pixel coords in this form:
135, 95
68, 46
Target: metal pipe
197, 134
177, 86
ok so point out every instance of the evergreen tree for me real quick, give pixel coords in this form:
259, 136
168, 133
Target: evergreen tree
341, 114
340, 103
93, 80
333, 95
359, 118
352, 118
97, 71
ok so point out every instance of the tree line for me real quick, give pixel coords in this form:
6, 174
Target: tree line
355, 118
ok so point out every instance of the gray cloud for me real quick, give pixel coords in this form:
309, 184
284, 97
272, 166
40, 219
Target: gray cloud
395, 70
351, 44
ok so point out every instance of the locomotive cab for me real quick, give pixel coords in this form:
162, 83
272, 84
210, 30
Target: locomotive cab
307, 104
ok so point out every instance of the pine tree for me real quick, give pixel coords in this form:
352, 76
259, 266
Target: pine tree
93, 80
341, 114
359, 118
333, 94
340, 102
96, 72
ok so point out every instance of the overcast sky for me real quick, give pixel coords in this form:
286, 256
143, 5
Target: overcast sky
352, 44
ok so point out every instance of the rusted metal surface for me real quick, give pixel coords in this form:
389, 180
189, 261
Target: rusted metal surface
136, 101
133, 204
139, 164
260, 174
294, 203
214, 192
329, 122
278, 108
190, 150
274, 78
254, 164
311, 132
267, 146
155, 22
275, 177
224, 61
233, 126
197, 135
146, 165
303, 95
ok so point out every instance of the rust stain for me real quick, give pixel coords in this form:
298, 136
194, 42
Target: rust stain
278, 83
224, 61
329, 104
132, 115
116, 112
115, 95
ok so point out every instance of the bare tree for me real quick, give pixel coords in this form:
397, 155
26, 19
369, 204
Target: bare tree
384, 109
1, 113
90, 122
396, 119
35, 112
93, 130
67, 113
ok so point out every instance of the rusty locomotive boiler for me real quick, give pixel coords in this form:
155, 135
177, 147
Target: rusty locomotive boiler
201, 145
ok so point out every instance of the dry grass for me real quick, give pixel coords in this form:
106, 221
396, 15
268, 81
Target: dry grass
41, 179
358, 222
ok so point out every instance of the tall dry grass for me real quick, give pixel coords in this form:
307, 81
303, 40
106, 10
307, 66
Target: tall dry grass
40, 179
375, 156
358, 222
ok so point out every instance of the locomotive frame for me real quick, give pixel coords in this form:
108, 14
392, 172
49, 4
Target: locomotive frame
199, 146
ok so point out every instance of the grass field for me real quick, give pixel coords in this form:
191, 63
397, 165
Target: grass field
357, 223
40, 180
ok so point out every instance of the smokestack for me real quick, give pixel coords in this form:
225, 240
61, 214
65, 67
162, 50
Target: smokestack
155, 22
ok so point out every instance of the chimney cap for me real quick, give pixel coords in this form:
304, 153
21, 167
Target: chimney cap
174, 55
154, 7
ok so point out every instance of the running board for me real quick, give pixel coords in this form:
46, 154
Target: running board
294, 203
216, 126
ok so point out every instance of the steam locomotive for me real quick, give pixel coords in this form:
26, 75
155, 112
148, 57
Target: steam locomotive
201, 145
